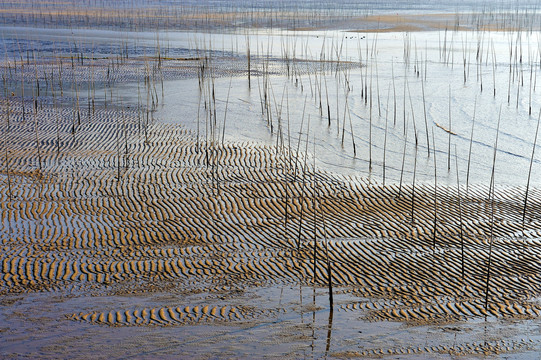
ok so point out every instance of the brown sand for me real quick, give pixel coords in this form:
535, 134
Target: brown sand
183, 218
172, 217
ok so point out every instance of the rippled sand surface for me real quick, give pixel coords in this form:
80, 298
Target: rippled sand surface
125, 234
118, 213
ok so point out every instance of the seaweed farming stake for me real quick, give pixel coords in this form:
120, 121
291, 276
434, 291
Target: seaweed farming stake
426, 122
329, 330
530, 173
460, 218
299, 141
337, 109
329, 267
489, 262
413, 188
480, 71
530, 97
318, 89
386, 130
327, 260
491, 188
510, 71
287, 167
394, 92
328, 106
344, 121
403, 161
22, 79
404, 103
8, 175
370, 126
377, 86
260, 96
225, 113
413, 116
491, 199
37, 135
493, 67
353, 138
435, 229
464, 56
518, 88
315, 187
280, 136
303, 184
471, 143
57, 120
449, 142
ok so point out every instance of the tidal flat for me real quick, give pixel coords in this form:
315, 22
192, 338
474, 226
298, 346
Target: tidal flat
262, 179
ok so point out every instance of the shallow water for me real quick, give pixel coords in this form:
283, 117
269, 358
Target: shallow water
303, 328
396, 101
299, 322
446, 95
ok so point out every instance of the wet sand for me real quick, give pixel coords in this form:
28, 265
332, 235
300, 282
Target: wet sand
127, 211
123, 235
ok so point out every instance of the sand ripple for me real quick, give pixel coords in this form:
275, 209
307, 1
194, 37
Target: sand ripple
125, 208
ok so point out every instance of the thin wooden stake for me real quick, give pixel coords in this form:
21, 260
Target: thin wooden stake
530, 173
